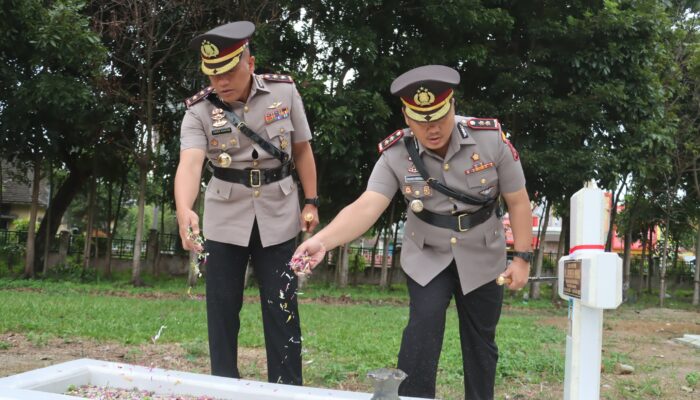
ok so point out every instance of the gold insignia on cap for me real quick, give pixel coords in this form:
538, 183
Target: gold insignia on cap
424, 97
209, 49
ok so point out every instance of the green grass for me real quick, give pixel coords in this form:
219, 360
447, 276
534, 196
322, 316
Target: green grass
341, 341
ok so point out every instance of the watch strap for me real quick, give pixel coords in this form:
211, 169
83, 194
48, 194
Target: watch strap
525, 255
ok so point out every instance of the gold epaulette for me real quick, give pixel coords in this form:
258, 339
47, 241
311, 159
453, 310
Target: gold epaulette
483, 123
190, 101
277, 78
390, 140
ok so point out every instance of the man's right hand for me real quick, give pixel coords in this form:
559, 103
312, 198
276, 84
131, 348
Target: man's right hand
312, 248
188, 219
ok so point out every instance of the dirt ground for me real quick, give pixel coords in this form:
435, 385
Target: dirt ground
640, 339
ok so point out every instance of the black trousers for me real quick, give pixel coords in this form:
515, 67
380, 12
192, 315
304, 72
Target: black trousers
225, 274
478, 311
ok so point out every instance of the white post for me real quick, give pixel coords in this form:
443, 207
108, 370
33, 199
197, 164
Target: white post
591, 280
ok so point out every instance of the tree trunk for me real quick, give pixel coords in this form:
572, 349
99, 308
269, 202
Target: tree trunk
343, 265
642, 269
613, 216
57, 207
88, 230
136, 264
385, 254
394, 255
374, 250
674, 263
31, 228
650, 258
535, 286
664, 255
47, 238
626, 266
560, 254
696, 289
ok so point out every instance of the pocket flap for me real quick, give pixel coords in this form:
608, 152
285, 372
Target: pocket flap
220, 188
279, 128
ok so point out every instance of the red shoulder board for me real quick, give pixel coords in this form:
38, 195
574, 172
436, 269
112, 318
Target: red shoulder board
483, 123
390, 140
277, 78
189, 102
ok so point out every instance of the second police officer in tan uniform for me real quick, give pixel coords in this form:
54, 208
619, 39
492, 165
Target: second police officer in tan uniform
450, 169
252, 129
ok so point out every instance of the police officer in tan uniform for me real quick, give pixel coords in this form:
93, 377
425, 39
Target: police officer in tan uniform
451, 170
252, 130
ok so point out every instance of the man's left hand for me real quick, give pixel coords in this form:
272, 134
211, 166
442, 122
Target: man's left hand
306, 225
519, 272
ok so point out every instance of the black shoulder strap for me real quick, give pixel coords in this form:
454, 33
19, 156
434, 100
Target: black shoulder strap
410, 143
264, 144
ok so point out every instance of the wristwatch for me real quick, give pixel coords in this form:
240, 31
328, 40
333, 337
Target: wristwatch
313, 201
525, 255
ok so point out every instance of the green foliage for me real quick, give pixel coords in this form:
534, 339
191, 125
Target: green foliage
356, 262
4, 345
71, 271
692, 379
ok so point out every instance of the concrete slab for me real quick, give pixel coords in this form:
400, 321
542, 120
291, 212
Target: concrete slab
693, 340
48, 383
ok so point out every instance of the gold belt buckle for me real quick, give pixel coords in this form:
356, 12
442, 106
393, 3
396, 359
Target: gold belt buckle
253, 173
459, 222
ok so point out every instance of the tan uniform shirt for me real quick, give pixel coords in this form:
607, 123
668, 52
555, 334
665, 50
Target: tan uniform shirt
478, 162
275, 111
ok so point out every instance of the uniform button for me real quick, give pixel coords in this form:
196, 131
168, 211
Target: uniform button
256, 193
417, 192
453, 240
233, 142
245, 109
446, 167
255, 163
281, 130
483, 180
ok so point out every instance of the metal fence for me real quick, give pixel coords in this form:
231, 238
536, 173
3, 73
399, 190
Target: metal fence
122, 248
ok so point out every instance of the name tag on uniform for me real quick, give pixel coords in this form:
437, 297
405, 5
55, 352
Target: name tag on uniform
221, 131
413, 178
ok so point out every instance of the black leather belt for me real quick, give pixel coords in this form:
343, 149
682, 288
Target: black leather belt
458, 222
252, 177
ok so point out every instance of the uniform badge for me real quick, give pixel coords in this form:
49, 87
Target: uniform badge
275, 104
276, 115
221, 131
514, 152
416, 206
218, 118
283, 143
224, 160
487, 191
463, 131
413, 179
483, 123
407, 189
427, 191
412, 169
479, 166
475, 157
214, 142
